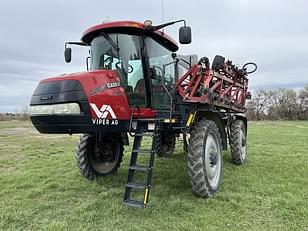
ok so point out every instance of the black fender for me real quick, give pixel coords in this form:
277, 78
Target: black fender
221, 121
240, 116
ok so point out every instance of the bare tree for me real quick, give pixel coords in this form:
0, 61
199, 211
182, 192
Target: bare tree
257, 107
24, 115
303, 104
283, 104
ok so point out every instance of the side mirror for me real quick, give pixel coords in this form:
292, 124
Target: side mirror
185, 35
68, 54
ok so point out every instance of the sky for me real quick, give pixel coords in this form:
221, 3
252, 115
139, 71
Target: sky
272, 33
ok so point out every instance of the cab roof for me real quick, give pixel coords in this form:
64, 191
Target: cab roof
129, 27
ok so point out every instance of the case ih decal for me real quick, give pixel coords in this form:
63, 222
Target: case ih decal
105, 115
98, 90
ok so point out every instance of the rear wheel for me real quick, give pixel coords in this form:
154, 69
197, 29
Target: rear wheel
205, 158
99, 155
165, 144
238, 142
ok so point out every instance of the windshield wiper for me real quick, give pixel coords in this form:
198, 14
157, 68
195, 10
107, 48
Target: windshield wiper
109, 39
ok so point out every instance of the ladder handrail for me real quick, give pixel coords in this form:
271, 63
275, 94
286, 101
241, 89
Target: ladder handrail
131, 119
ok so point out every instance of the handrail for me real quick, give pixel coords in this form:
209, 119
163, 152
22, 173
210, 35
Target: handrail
166, 89
131, 119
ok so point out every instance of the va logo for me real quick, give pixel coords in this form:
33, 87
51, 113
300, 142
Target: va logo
105, 115
103, 112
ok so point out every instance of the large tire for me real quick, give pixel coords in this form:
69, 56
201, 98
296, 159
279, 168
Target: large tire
99, 155
205, 158
238, 142
164, 144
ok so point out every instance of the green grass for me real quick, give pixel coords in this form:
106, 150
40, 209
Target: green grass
41, 188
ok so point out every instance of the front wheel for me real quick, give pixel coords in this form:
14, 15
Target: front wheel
205, 158
99, 155
165, 144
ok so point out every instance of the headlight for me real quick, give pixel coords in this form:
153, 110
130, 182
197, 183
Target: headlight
56, 109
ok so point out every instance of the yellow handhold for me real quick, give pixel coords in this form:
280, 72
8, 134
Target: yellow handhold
190, 118
146, 195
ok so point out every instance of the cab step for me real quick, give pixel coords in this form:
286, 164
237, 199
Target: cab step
140, 168
134, 203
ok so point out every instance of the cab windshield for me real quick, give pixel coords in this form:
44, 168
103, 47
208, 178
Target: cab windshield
121, 52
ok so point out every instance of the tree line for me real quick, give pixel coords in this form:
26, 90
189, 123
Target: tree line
278, 104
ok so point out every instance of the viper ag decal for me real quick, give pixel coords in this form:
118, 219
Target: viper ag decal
105, 115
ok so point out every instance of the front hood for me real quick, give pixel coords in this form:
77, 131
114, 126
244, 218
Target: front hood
97, 95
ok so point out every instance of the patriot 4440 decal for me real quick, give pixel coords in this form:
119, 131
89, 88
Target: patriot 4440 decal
105, 115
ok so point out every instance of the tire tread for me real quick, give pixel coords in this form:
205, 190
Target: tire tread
196, 173
83, 162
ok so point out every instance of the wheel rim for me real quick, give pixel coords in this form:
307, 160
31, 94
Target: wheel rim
212, 160
104, 160
243, 144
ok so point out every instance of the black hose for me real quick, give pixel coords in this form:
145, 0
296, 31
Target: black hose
252, 71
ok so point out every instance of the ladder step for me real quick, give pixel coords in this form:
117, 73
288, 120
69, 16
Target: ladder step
143, 134
134, 203
142, 151
135, 185
142, 128
179, 127
139, 168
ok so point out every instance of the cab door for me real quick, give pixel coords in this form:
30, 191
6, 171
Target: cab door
162, 74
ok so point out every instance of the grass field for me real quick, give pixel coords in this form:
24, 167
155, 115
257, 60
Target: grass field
41, 188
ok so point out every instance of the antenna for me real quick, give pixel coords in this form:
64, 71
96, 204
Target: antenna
107, 19
162, 13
